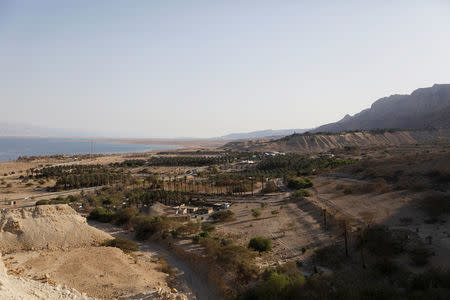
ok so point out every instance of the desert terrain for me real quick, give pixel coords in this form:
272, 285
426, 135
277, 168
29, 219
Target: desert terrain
181, 223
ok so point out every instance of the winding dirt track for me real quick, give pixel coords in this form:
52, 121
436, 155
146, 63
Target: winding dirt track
191, 283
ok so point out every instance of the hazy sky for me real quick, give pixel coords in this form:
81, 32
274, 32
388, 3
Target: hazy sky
208, 68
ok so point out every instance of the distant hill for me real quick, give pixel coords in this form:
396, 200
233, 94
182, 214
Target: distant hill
424, 108
316, 143
262, 134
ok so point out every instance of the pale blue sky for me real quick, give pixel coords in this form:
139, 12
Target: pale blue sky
208, 68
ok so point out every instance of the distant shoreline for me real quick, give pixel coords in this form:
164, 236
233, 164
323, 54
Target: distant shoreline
182, 142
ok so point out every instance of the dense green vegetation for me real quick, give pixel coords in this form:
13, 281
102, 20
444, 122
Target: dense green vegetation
80, 176
223, 216
192, 161
302, 164
260, 244
299, 183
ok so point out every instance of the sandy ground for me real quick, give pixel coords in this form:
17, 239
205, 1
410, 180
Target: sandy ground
46, 227
54, 244
385, 208
101, 272
295, 226
189, 281
19, 288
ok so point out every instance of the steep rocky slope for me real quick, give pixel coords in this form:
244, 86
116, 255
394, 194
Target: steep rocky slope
424, 108
314, 143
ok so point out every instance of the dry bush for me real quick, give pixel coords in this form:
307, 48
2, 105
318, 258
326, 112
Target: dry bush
436, 204
165, 267
378, 186
223, 216
123, 244
330, 256
270, 187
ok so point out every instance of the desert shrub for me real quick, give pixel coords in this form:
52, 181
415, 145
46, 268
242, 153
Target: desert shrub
256, 213
433, 277
275, 212
280, 283
260, 244
300, 183
263, 205
238, 260
385, 266
380, 241
223, 216
123, 244
406, 220
439, 176
208, 227
124, 215
330, 256
420, 255
436, 204
101, 214
165, 267
301, 193
60, 200
188, 228
270, 187
197, 238
145, 226
43, 202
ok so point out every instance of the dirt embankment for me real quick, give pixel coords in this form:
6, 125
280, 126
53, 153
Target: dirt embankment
51, 251
46, 227
15, 288
315, 143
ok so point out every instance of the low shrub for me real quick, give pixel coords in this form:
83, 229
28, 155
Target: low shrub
301, 193
145, 226
283, 282
43, 202
330, 256
197, 238
165, 267
260, 244
125, 215
123, 244
436, 204
188, 228
270, 187
385, 266
208, 227
223, 216
300, 183
380, 241
101, 214
420, 256
256, 213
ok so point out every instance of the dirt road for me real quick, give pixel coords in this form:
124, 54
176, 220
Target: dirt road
191, 282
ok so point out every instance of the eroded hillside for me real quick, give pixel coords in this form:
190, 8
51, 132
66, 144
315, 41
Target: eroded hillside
316, 143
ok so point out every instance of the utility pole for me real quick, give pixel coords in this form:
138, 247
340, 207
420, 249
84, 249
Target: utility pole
92, 148
362, 248
345, 237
